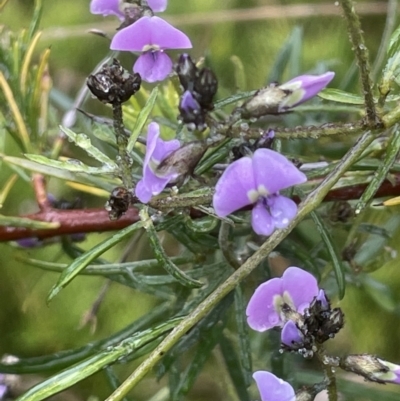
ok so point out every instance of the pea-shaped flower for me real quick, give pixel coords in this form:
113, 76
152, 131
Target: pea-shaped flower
295, 289
151, 36
115, 7
271, 388
157, 150
257, 181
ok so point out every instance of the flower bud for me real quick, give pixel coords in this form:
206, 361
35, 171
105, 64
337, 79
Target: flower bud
372, 368
182, 161
113, 84
191, 113
205, 87
187, 72
276, 99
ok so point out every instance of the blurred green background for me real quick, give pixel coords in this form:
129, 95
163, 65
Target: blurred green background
254, 31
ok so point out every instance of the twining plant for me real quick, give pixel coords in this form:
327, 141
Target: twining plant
219, 180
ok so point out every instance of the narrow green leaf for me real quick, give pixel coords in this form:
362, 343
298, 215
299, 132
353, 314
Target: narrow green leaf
391, 72
282, 59
381, 293
238, 377
240, 76
62, 359
394, 43
209, 339
213, 156
392, 151
233, 99
70, 165
296, 53
335, 257
243, 336
82, 370
162, 257
27, 223
81, 262
106, 269
142, 118
339, 96
84, 142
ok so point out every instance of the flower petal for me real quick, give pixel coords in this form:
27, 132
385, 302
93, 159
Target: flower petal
283, 210
301, 286
272, 388
153, 66
147, 33
156, 151
261, 220
106, 7
304, 87
157, 6
233, 187
290, 334
261, 312
274, 171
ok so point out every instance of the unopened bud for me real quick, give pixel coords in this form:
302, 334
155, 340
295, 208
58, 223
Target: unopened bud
187, 72
182, 161
206, 87
372, 368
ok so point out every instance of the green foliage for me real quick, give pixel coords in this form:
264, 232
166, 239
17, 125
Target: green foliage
196, 296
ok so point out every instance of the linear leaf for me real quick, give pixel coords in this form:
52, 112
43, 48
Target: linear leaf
335, 257
70, 165
84, 178
84, 142
64, 358
142, 118
392, 151
162, 257
27, 223
339, 96
238, 377
81, 262
88, 367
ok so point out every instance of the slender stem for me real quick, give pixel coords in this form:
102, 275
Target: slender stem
124, 160
226, 246
309, 204
329, 374
39, 186
361, 53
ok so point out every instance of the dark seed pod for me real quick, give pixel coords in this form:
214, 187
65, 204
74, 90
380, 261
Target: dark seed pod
205, 88
118, 202
113, 84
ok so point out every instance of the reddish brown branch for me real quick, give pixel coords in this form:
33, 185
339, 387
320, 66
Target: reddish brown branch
71, 222
97, 220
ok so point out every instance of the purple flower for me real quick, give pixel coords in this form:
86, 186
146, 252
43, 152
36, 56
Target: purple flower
296, 288
156, 151
272, 388
157, 5
291, 335
107, 7
151, 35
257, 181
392, 375
303, 88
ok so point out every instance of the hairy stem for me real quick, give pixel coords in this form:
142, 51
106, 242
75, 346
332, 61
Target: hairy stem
124, 160
361, 53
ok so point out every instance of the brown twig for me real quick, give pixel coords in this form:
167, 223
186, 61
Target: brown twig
71, 222
97, 220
